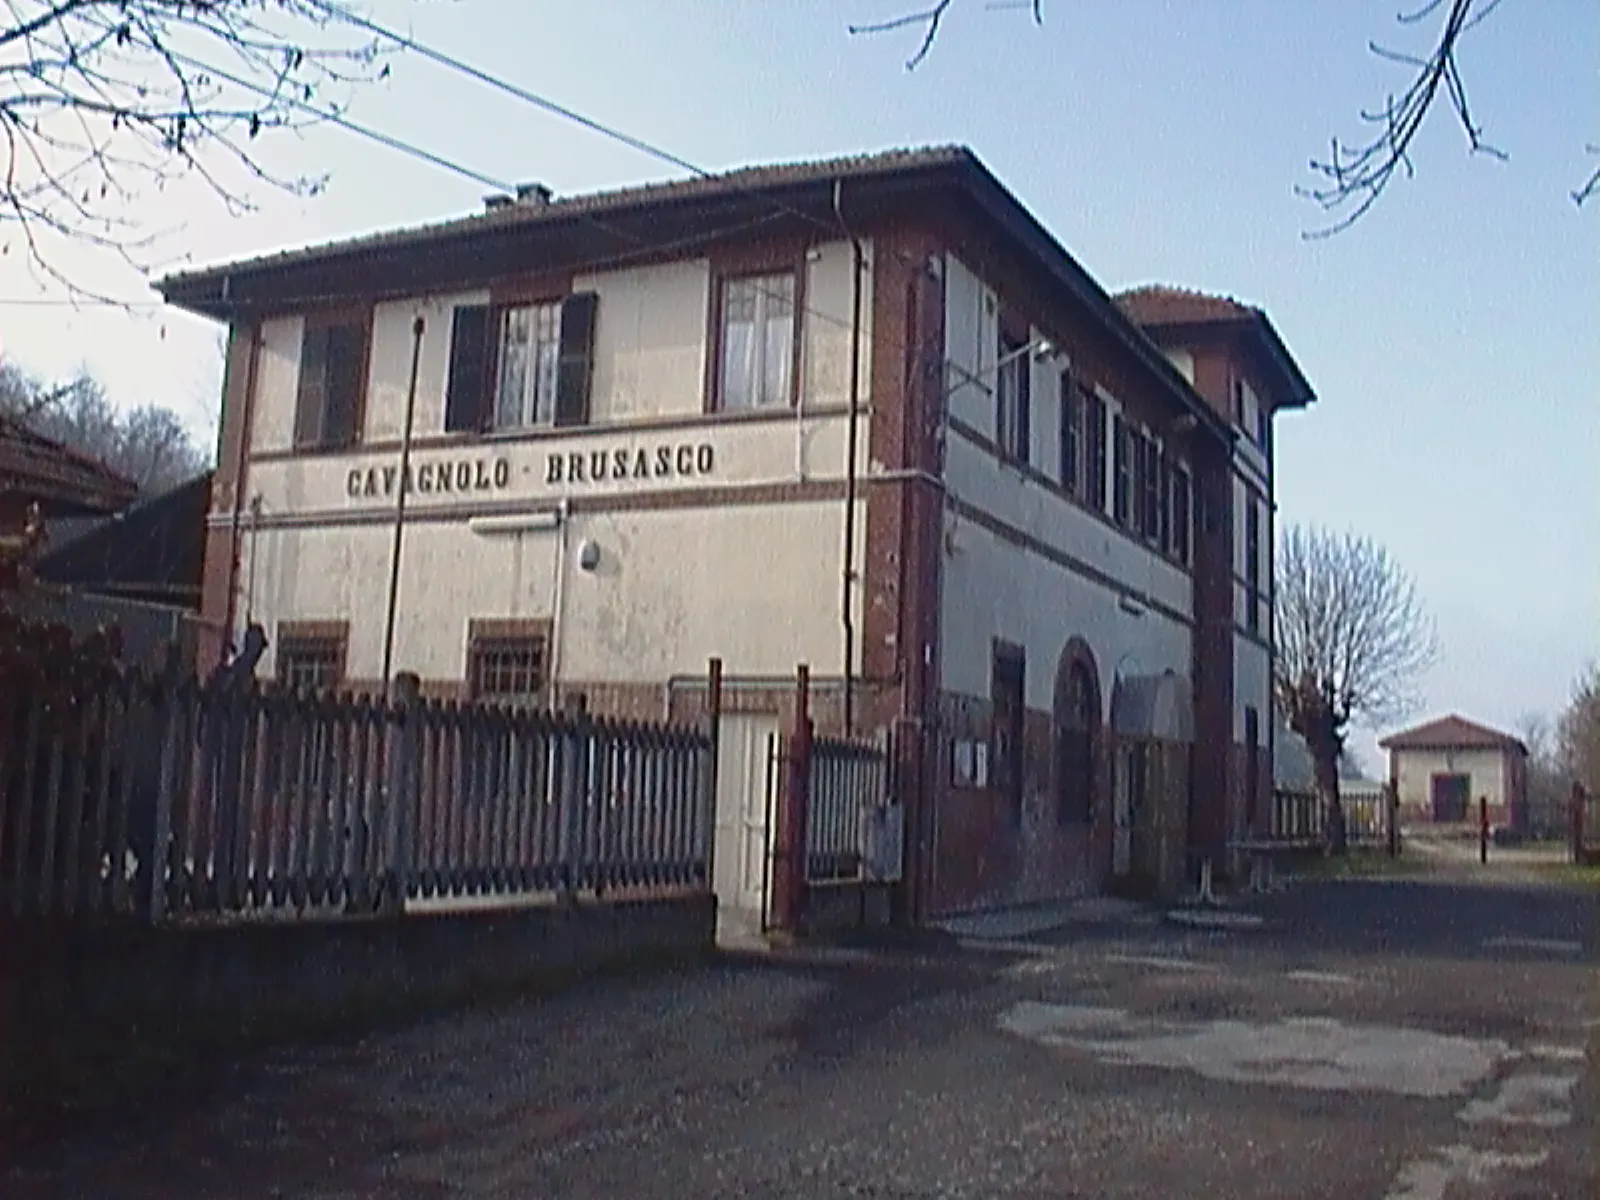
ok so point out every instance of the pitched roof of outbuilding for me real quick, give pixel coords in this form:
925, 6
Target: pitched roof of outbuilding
1453, 732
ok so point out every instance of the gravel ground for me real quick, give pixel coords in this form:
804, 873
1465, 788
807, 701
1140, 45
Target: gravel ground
1428, 1040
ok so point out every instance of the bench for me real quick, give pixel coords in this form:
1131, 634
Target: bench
1263, 854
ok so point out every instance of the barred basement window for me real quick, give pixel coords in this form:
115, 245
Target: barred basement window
310, 664
508, 670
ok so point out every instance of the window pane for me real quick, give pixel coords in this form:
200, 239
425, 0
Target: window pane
777, 348
513, 369
738, 365
547, 333
757, 343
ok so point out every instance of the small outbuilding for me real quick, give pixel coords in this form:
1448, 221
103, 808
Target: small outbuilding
1442, 769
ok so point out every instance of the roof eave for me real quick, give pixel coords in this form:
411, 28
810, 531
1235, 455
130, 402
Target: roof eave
1000, 204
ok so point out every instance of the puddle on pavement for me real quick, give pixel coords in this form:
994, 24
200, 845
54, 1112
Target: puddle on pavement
1316, 1053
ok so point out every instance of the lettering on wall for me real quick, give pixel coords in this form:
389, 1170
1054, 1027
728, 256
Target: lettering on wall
562, 471
682, 461
459, 476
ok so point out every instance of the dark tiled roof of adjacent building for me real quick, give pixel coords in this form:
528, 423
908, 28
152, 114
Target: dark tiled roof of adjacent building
151, 552
1161, 304
1165, 312
64, 481
1451, 732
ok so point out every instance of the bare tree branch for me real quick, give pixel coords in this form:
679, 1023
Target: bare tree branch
929, 20
106, 102
1352, 641
1353, 176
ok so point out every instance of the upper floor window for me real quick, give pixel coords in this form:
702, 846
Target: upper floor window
756, 343
1094, 451
333, 369
1180, 503
1071, 436
1263, 423
1122, 471
530, 353
1013, 410
1252, 564
521, 366
1151, 470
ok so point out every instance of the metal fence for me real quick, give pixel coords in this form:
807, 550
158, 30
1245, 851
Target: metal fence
168, 800
1366, 818
853, 825
1296, 817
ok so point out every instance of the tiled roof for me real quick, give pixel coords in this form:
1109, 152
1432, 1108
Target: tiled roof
61, 479
153, 550
592, 204
1160, 304
1452, 732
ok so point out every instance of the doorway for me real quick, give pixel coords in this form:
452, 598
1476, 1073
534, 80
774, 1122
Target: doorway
744, 791
1452, 795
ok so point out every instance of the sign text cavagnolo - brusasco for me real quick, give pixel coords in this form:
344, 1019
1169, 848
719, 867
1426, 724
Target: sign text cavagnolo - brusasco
477, 475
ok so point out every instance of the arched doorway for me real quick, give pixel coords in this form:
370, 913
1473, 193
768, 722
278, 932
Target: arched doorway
1076, 720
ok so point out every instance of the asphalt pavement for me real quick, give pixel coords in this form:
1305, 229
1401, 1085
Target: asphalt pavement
1420, 1039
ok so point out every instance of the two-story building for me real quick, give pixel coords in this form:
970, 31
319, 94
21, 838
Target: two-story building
863, 414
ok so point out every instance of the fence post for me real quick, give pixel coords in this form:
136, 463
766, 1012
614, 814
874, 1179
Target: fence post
171, 697
706, 833
1391, 809
790, 873
1483, 829
400, 817
577, 738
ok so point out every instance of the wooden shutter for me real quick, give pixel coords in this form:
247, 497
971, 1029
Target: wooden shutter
1071, 434
466, 402
1024, 447
347, 344
311, 399
576, 370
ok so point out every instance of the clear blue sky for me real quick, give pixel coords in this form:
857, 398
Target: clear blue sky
1452, 335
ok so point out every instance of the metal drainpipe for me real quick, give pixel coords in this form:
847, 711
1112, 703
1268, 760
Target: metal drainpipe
847, 615
558, 597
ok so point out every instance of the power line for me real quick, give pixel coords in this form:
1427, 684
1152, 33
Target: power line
405, 41
333, 117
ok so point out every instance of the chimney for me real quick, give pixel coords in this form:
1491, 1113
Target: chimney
495, 201
533, 195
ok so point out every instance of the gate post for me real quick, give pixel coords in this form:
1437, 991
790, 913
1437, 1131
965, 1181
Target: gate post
1391, 808
789, 874
1483, 829
707, 842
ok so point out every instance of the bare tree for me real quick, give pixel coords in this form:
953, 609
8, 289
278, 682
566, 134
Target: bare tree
148, 444
1352, 642
1578, 732
1355, 174
104, 101
1548, 781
